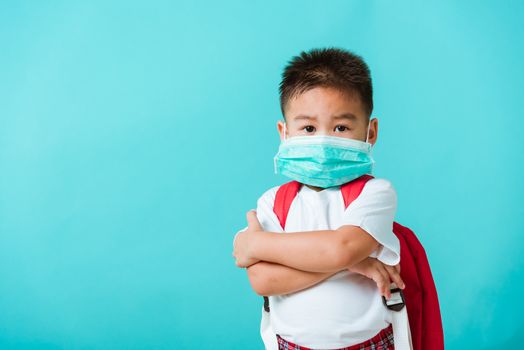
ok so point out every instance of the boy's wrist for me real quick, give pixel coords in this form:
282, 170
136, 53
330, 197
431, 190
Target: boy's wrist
258, 244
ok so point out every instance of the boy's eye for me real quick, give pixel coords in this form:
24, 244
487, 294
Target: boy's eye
341, 128
309, 128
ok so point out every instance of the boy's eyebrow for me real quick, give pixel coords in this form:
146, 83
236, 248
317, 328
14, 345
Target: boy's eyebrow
304, 117
349, 116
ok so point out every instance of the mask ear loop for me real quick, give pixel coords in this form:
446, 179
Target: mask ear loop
367, 135
371, 146
275, 157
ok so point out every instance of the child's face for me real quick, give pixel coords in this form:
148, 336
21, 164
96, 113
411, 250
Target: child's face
327, 111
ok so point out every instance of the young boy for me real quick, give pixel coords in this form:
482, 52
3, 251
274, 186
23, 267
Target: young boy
325, 276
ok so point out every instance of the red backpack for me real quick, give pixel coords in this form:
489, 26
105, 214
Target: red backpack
420, 294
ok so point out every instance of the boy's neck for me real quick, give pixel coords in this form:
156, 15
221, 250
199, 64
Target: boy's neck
315, 188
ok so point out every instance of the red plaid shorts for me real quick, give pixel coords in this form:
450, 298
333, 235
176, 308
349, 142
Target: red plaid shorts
382, 341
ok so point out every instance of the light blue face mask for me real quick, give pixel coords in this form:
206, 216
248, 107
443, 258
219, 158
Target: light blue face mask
323, 160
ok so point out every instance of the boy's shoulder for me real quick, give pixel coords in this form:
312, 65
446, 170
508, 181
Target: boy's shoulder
379, 182
269, 195
379, 190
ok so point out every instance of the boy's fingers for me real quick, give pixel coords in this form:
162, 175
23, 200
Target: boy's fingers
397, 267
383, 282
395, 276
379, 280
252, 220
387, 281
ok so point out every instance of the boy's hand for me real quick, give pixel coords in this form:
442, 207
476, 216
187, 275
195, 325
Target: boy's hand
381, 273
243, 242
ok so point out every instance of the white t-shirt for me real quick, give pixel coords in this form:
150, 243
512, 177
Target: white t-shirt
346, 308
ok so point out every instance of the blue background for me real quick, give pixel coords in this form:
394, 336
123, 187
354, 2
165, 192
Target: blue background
135, 137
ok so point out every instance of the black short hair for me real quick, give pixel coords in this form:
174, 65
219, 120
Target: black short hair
327, 67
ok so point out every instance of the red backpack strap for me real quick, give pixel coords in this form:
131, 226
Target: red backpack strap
283, 199
351, 190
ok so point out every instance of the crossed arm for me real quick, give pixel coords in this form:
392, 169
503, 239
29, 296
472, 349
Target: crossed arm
298, 260
268, 278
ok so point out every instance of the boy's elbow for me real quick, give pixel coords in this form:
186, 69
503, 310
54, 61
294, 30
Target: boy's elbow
353, 246
257, 279
342, 255
343, 258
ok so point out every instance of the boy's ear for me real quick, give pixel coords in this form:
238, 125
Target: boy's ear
373, 131
280, 129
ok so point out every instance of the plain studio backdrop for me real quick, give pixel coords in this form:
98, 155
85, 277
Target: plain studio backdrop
134, 136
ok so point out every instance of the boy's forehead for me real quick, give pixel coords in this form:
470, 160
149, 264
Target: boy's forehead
325, 103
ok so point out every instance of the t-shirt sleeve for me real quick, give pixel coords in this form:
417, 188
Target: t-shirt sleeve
374, 211
265, 214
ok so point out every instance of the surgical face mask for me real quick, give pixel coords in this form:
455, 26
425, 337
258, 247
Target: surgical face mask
323, 160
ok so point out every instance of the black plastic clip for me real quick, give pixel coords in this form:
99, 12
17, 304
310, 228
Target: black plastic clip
396, 302
266, 304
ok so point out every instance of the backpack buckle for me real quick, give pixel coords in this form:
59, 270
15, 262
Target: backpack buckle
396, 302
266, 303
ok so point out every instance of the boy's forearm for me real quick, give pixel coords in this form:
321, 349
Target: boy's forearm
314, 251
269, 278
